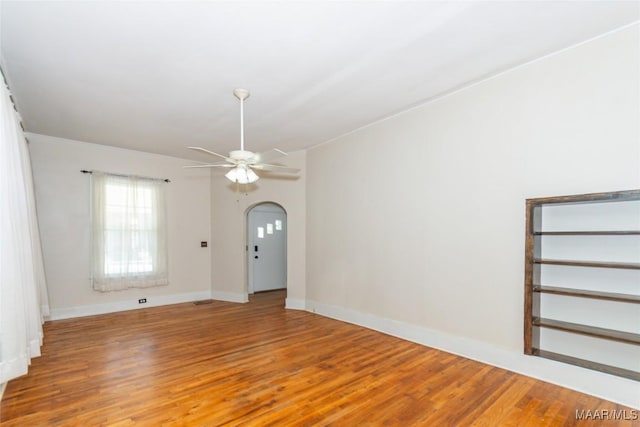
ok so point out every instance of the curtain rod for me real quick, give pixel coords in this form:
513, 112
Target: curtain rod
128, 176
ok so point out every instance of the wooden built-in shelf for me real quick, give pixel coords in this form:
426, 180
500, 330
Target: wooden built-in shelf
537, 232
588, 233
583, 293
592, 331
597, 264
613, 370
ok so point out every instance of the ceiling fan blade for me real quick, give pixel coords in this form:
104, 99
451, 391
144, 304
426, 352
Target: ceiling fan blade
222, 165
204, 150
267, 156
274, 168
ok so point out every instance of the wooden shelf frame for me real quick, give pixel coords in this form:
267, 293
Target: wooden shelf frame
595, 264
613, 370
534, 261
608, 197
588, 233
588, 330
585, 293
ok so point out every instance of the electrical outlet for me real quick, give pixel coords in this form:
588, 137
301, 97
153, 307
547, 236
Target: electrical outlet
142, 301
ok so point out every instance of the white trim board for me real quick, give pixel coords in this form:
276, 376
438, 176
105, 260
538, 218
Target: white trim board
294, 304
153, 301
609, 387
230, 296
112, 307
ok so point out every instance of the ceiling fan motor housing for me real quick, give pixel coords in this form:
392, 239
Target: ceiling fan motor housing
241, 155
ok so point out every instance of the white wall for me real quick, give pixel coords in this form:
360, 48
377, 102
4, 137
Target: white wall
228, 227
415, 225
62, 198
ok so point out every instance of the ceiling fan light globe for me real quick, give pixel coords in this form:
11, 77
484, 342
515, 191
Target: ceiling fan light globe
242, 175
251, 176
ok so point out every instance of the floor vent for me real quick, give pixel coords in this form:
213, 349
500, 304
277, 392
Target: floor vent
204, 301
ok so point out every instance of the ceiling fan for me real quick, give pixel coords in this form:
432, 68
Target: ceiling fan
242, 162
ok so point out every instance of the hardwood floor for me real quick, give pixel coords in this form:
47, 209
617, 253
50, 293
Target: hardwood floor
258, 364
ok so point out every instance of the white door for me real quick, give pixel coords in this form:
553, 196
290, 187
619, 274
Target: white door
267, 248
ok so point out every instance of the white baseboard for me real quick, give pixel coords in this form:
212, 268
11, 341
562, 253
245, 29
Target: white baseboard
230, 296
112, 307
2, 387
609, 387
294, 304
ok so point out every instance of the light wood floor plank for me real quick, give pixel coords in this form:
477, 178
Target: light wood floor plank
258, 364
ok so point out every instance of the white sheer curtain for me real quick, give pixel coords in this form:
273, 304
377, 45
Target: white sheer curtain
129, 232
23, 291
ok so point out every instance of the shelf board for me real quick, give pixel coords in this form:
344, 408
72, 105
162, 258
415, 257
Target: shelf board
598, 264
616, 196
588, 233
583, 293
593, 331
613, 370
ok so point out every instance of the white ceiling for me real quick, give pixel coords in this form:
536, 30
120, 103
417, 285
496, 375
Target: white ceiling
158, 76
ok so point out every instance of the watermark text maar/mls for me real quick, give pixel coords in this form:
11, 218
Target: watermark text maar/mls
607, 414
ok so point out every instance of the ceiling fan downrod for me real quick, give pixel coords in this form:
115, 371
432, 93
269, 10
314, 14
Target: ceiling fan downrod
241, 94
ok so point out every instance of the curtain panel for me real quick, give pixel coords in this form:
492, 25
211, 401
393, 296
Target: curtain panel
129, 232
23, 289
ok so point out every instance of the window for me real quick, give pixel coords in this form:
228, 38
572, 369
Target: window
129, 232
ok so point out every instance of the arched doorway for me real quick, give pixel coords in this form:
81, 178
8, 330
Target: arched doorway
267, 248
